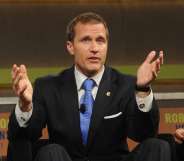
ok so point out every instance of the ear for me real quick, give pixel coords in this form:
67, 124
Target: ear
69, 46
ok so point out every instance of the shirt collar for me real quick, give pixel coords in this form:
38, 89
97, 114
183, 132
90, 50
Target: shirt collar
80, 77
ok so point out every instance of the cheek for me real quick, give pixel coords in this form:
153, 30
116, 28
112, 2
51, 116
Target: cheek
104, 54
80, 58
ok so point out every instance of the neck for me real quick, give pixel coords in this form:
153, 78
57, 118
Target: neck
90, 73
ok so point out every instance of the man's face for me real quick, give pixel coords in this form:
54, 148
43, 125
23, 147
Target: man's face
89, 47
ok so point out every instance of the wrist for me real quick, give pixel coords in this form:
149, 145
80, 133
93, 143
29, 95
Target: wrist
25, 107
142, 88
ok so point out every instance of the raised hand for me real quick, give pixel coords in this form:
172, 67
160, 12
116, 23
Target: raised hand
22, 87
179, 135
149, 69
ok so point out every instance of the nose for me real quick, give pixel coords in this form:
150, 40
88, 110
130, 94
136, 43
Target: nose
94, 47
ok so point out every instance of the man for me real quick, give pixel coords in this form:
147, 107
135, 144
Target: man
90, 109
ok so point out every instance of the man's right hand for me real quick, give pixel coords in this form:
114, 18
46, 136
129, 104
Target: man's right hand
22, 87
179, 135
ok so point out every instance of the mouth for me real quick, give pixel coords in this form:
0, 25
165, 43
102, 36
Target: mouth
94, 59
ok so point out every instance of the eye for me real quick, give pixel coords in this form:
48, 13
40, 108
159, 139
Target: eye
101, 39
86, 39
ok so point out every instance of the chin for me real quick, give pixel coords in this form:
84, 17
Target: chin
91, 73
94, 70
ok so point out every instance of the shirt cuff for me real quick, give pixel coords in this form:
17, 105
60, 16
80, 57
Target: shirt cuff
145, 103
22, 117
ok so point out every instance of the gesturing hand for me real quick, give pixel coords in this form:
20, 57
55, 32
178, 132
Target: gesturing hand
149, 69
22, 86
179, 135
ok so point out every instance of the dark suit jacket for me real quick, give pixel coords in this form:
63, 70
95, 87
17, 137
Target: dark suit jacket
55, 104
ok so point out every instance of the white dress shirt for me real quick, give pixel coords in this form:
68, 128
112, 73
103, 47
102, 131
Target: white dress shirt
144, 103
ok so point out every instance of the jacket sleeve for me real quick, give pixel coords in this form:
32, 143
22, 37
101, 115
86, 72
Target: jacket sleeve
37, 121
141, 125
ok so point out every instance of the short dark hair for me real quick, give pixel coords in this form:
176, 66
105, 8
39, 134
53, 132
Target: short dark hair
87, 17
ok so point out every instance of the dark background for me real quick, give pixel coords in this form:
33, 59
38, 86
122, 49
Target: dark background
34, 33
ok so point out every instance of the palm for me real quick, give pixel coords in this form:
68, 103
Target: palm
144, 74
26, 95
149, 69
22, 85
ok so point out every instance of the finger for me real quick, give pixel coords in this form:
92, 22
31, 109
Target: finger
179, 136
13, 68
178, 140
17, 78
21, 90
150, 57
17, 72
161, 57
17, 82
179, 133
154, 69
154, 74
14, 71
23, 70
20, 87
157, 65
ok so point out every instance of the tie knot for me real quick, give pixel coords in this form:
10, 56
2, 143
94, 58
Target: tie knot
88, 84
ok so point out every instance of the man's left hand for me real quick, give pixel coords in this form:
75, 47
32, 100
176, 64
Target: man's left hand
149, 69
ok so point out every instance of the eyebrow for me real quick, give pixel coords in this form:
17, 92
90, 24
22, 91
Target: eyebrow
85, 37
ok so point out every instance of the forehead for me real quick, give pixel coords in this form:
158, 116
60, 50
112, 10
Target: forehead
90, 29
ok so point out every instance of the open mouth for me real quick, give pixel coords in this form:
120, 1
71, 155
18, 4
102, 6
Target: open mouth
94, 59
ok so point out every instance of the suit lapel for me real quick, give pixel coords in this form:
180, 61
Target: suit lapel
70, 100
103, 98
69, 95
